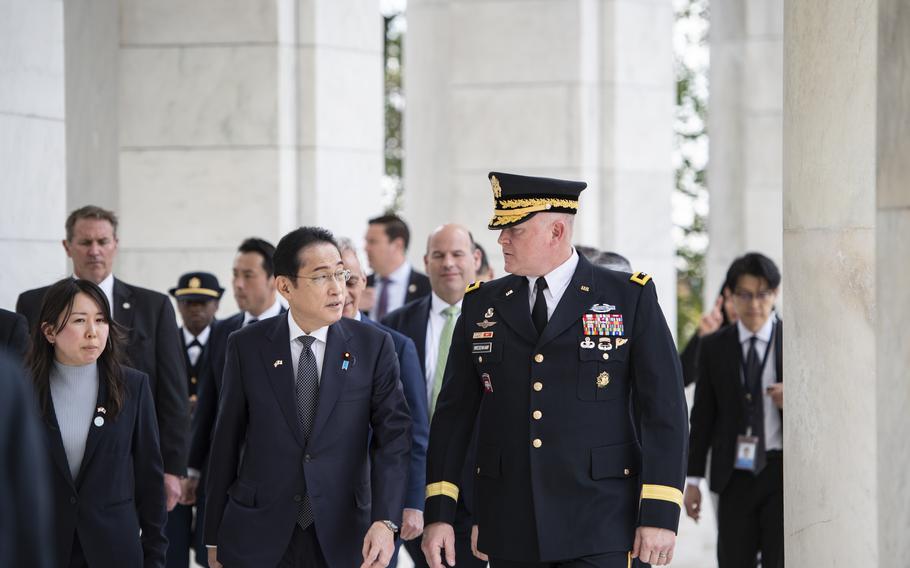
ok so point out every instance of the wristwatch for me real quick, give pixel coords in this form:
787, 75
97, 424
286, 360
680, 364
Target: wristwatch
391, 526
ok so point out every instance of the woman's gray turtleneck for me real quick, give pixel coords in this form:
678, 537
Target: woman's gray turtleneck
74, 391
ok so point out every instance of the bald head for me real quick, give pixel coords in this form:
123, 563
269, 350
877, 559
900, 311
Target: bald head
451, 261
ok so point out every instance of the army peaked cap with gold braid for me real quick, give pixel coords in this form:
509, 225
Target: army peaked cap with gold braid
517, 198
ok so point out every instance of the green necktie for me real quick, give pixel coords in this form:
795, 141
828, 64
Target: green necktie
445, 340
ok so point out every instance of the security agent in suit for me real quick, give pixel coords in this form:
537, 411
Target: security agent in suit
25, 517
393, 282
254, 289
738, 416
451, 260
13, 333
310, 453
197, 295
152, 345
574, 374
414, 392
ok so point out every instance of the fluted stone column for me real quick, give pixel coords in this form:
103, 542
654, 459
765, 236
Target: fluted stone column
243, 118
579, 89
745, 130
32, 145
846, 225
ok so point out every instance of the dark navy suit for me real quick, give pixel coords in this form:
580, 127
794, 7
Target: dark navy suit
260, 466
120, 486
13, 333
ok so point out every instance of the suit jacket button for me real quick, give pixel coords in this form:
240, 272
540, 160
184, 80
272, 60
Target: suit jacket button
72, 500
298, 498
538, 386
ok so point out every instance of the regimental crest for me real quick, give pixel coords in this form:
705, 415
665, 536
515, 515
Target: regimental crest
497, 190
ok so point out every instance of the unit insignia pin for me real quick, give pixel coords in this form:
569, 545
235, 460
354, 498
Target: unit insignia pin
509, 293
194, 282
585, 288
489, 313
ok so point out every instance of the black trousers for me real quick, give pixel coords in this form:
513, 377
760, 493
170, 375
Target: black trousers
607, 560
750, 517
77, 559
463, 556
304, 550
179, 532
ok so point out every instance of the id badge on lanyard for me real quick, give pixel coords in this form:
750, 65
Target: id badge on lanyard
747, 445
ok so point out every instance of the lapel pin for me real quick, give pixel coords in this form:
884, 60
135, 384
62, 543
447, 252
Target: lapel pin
412, 288
489, 313
585, 288
347, 361
126, 305
101, 410
99, 421
509, 293
277, 363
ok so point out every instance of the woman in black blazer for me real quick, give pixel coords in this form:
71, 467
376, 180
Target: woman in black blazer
101, 434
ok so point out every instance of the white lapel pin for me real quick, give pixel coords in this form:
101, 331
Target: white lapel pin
126, 305
278, 363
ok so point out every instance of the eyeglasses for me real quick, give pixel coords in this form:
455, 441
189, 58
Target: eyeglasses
340, 276
353, 281
761, 296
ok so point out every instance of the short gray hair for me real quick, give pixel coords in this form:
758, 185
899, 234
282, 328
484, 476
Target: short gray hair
346, 244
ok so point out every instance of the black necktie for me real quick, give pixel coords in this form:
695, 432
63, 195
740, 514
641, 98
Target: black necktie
753, 387
539, 313
306, 390
194, 343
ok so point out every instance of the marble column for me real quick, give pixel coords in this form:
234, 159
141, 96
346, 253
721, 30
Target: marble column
745, 130
243, 118
846, 225
32, 146
579, 89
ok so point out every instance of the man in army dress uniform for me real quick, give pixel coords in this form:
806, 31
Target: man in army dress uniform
582, 418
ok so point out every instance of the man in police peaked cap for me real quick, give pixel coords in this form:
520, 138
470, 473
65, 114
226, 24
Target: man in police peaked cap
582, 421
198, 295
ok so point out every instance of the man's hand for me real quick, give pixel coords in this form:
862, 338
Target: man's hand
776, 392
213, 558
654, 546
711, 321
411, 524
436, 537
378, 546
171, 490
474, 550
692, 501
188, 488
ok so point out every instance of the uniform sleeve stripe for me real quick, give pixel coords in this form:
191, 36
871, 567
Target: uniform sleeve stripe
442, 488
662, 493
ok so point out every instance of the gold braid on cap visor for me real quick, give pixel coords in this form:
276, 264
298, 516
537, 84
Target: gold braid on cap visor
519, 208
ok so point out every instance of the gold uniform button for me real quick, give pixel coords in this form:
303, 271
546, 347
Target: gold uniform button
537, 415
538, 358
538, 386
536, 443
193, 380
606, 356
624, 472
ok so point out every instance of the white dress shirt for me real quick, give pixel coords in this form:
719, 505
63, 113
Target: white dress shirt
272, 311
557, 281
398, 287
195, 351
435, 323
107, 286
318, 346
774, 432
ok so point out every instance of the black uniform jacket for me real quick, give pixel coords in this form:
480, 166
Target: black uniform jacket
153, 348
581, 438
120, 486
260, 464
718, 413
